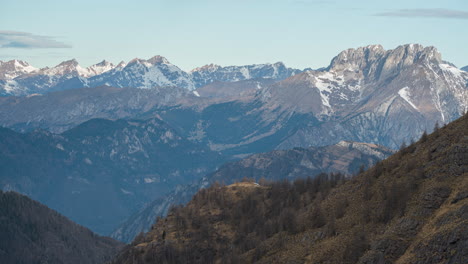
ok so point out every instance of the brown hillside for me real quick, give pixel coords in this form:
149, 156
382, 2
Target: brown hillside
410, 208
33, 233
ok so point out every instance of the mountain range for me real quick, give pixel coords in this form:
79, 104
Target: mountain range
410, 208
127, 147
19, 78
368, 94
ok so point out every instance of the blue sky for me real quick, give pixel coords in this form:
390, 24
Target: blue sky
191, 33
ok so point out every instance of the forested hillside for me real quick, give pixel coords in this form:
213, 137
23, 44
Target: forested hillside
410, 208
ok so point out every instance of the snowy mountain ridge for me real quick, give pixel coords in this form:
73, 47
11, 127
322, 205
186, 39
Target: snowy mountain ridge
137, 73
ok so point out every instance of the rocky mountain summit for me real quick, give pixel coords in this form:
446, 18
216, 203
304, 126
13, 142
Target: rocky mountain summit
396, 94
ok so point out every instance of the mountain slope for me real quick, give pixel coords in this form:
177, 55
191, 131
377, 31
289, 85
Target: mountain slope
410, 208
211, 73
33, 233
464, 68
243, 88
102, 171
345, 158
60, 111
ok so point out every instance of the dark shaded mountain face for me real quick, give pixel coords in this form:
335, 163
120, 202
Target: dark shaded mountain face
101, 171
19, 78
345, 158
410, 208
33, 233
464, 68
64, 110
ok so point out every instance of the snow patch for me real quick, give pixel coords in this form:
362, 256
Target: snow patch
405, 94
196, 93
453, 70
59, 146
126, 192
149, 180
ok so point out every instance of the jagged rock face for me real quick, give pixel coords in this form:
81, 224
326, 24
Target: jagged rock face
102, 171
157, 71
373, 95
345, 157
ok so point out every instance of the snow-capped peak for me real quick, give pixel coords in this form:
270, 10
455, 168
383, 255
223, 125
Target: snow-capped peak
14, 68
100, 68
158, 60
67, 67
121, 65
154, 61
208, 68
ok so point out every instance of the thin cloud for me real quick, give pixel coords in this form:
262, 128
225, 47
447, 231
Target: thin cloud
427, 13
25, 40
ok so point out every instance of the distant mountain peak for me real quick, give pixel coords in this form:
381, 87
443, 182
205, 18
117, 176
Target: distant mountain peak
135, 61
158, 60
121, 64
99, 68
103, 63
279, 63
464, 68
373, 57
72, 62
14, 68
208, 67
69, 67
